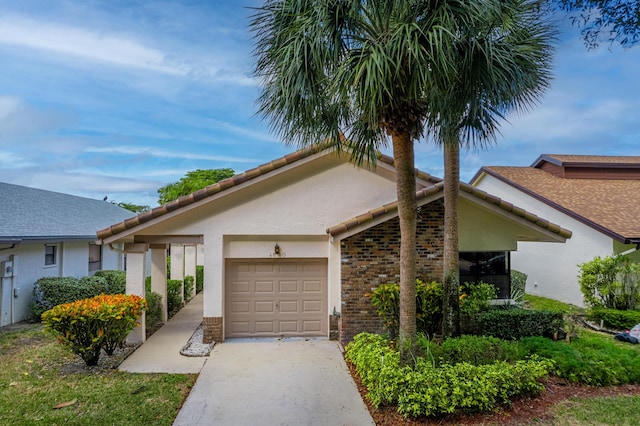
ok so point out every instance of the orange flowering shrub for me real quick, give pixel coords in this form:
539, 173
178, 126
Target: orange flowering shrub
87, 326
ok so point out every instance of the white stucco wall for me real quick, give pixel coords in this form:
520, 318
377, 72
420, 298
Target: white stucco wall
294, 210
28, 261
552, 268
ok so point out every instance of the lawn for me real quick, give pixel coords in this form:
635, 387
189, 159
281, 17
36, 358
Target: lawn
43, 383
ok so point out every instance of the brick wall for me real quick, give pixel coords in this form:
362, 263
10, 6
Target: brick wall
372, 257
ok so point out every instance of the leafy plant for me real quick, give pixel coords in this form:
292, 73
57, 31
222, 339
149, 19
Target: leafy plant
116, 281
477, 350
476, 298
610, 282
174, 296
89, 325
386, 299
199, 278
153, 317
518, 287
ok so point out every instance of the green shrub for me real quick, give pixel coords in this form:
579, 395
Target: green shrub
188, 287
199, 278
477, 350
517, 323
611, 282
518, 286
51, 291
423, 390
174, 296
87, 326
591, 359
386, 299
94, 284
621, 320
153, 318
116, 281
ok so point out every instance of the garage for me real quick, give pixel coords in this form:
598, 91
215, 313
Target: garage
276, 297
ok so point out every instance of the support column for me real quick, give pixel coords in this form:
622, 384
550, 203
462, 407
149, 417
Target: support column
159, 275
136, 274
190, 254
213, 291
177, 265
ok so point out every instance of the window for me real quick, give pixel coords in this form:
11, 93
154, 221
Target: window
50, 255
490, 267
95, 258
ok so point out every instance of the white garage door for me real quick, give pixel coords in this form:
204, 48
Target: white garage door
276, 297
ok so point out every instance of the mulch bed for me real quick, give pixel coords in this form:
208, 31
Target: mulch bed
522, 411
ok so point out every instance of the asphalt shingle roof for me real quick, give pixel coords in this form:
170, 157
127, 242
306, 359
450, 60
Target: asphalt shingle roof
29, 213
610, 205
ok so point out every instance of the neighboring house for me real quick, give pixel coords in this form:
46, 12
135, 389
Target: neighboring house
49, 234
596, 197
293, 247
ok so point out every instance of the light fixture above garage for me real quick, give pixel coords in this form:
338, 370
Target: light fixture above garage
277, 252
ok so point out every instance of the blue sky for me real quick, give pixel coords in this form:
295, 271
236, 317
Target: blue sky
119, 98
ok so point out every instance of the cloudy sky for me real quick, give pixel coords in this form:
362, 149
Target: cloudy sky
118, 98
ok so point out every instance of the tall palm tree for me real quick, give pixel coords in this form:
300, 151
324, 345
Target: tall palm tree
366, 70
502, 63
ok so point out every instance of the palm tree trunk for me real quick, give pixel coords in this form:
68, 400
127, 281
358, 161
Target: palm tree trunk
406, 188
451, 271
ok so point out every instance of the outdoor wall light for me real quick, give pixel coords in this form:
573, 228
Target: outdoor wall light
276, 250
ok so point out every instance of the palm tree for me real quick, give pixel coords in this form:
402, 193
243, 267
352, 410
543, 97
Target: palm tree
365, 70
503, 63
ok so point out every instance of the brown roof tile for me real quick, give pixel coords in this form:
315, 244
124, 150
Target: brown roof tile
610, 205
596, 160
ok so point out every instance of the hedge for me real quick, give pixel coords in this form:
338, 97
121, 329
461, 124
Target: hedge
513, 324
621, 320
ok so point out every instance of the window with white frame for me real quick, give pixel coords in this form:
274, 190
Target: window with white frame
50, 254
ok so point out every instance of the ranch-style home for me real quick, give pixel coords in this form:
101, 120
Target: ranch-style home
292, 247
595, 196
49, 234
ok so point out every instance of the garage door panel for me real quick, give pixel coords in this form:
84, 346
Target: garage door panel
279, 297
264, 286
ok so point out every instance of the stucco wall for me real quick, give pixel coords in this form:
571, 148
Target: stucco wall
552, 268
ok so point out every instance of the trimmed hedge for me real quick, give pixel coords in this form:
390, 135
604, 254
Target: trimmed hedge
116, 281
621, 320
513, 324
188, 287
199, 278
475, 350
174, 296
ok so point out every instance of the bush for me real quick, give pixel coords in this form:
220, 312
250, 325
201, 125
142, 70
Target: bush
423, 390
174, 296
621, 320
199, 278
517, 323
88, 325
477, 350
153, 318
188, 287
518, 286
386, 299
610, 282
116, 281
51, 291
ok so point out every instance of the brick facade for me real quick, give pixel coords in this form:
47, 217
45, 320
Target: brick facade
212, 329
372, 257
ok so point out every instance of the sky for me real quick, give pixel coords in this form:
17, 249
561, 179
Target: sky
118, 98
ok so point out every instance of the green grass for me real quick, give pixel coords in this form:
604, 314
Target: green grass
618, 411
544, 304
37, 374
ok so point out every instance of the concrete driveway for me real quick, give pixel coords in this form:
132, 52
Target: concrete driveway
275, 382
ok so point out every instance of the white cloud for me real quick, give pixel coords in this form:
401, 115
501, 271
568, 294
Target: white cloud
85, 43
153, 152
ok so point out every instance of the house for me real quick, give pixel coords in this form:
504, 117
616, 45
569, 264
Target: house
292, 247
49, 234
596, 197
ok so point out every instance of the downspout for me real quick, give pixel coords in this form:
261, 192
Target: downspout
631, 250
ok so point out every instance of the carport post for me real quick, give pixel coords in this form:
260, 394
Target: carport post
177, 265
136, 274
159, 275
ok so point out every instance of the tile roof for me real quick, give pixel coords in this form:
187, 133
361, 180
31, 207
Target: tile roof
30, 213
437, 188
609, 205
229, 183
